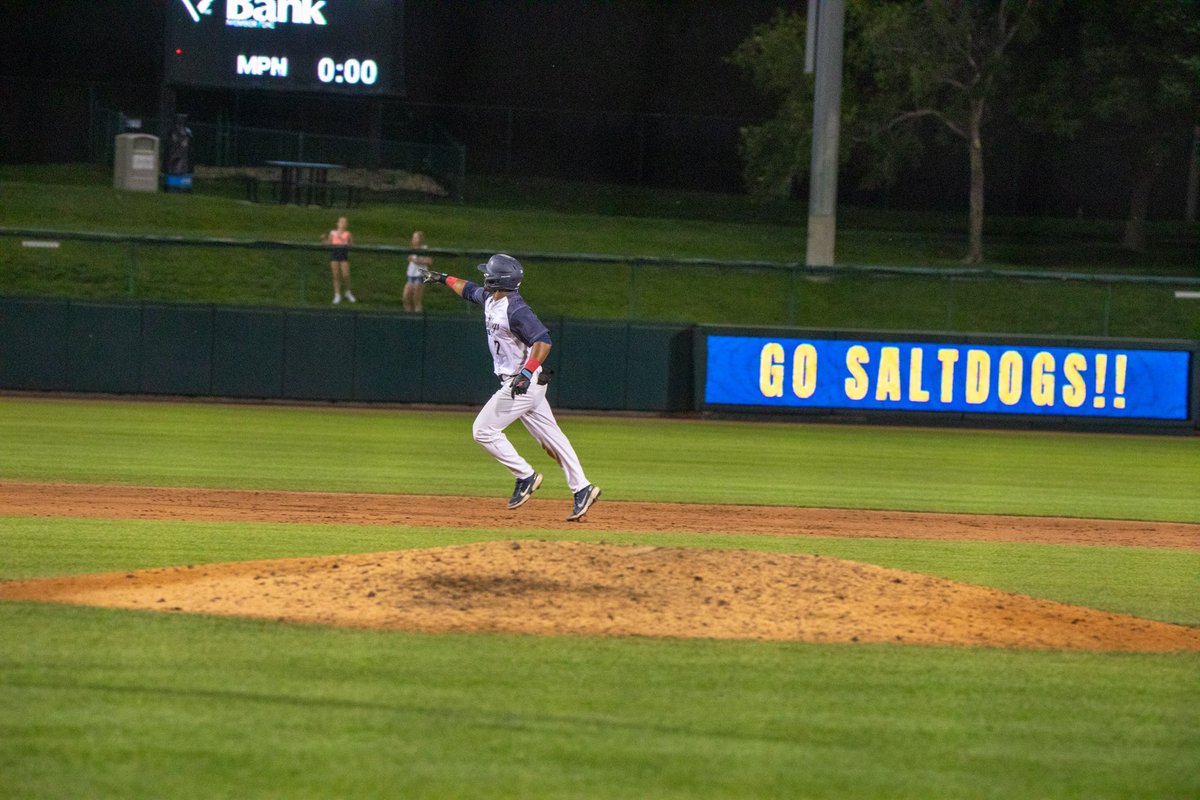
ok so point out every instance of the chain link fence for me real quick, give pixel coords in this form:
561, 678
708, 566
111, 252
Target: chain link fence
96, 266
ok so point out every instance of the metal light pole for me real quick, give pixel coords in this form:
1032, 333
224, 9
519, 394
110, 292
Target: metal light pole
830, 17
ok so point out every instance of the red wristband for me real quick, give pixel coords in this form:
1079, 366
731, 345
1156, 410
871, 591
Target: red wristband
451, 280
532, 364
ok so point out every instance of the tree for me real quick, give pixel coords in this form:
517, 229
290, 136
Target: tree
1132, 67
776, 154
906, 62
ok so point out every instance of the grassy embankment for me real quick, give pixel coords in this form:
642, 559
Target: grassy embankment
543, 216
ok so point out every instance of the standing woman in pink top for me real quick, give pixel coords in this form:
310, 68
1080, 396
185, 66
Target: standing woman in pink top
339, 260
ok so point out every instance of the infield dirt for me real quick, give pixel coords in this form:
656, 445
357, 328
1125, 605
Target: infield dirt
540, 587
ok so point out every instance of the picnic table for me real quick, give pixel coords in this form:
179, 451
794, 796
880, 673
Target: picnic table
304, 182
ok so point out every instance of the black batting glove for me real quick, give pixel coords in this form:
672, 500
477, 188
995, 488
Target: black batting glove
429, 276
520, 384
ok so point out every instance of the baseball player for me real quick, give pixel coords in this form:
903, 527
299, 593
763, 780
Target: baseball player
519, 344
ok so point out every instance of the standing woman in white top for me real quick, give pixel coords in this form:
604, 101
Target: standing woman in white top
414, 285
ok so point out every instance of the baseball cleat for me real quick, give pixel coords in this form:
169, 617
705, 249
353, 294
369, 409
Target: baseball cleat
524, 488
583, 501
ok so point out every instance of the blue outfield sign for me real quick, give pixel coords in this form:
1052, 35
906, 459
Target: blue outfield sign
947, 377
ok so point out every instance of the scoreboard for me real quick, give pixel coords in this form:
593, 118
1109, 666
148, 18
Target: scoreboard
341, 46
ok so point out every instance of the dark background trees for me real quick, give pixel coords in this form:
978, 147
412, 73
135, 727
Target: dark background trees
631, 91
1123, 71
905, 63
1132, 71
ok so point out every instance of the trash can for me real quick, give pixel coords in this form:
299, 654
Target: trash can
135, 167
177, 168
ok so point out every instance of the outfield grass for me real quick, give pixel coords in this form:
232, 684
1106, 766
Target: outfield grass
378, 450
131, 704
105, 703
549, 217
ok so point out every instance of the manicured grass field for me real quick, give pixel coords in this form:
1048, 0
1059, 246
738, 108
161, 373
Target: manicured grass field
431, 452
109, 704
103, 703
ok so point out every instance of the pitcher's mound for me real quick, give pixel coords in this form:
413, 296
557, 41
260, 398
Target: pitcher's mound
599, 589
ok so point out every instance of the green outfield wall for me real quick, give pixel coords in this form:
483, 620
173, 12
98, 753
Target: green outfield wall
334, 355
364, 356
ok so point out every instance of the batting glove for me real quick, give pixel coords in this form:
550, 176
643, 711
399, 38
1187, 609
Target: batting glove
520, 384
429, 276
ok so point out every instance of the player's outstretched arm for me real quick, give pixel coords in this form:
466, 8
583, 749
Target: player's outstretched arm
456, 284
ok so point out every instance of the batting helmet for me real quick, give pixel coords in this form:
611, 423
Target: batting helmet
502, 273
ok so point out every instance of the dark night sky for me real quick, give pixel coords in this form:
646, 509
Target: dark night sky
640, 56
81, 41
631, 55
612, 58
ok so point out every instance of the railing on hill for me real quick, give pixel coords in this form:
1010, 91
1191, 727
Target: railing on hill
655, 288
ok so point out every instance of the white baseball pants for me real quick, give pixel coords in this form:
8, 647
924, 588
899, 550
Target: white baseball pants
534, 412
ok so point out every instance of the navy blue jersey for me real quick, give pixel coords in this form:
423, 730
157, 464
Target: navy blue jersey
512, 327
